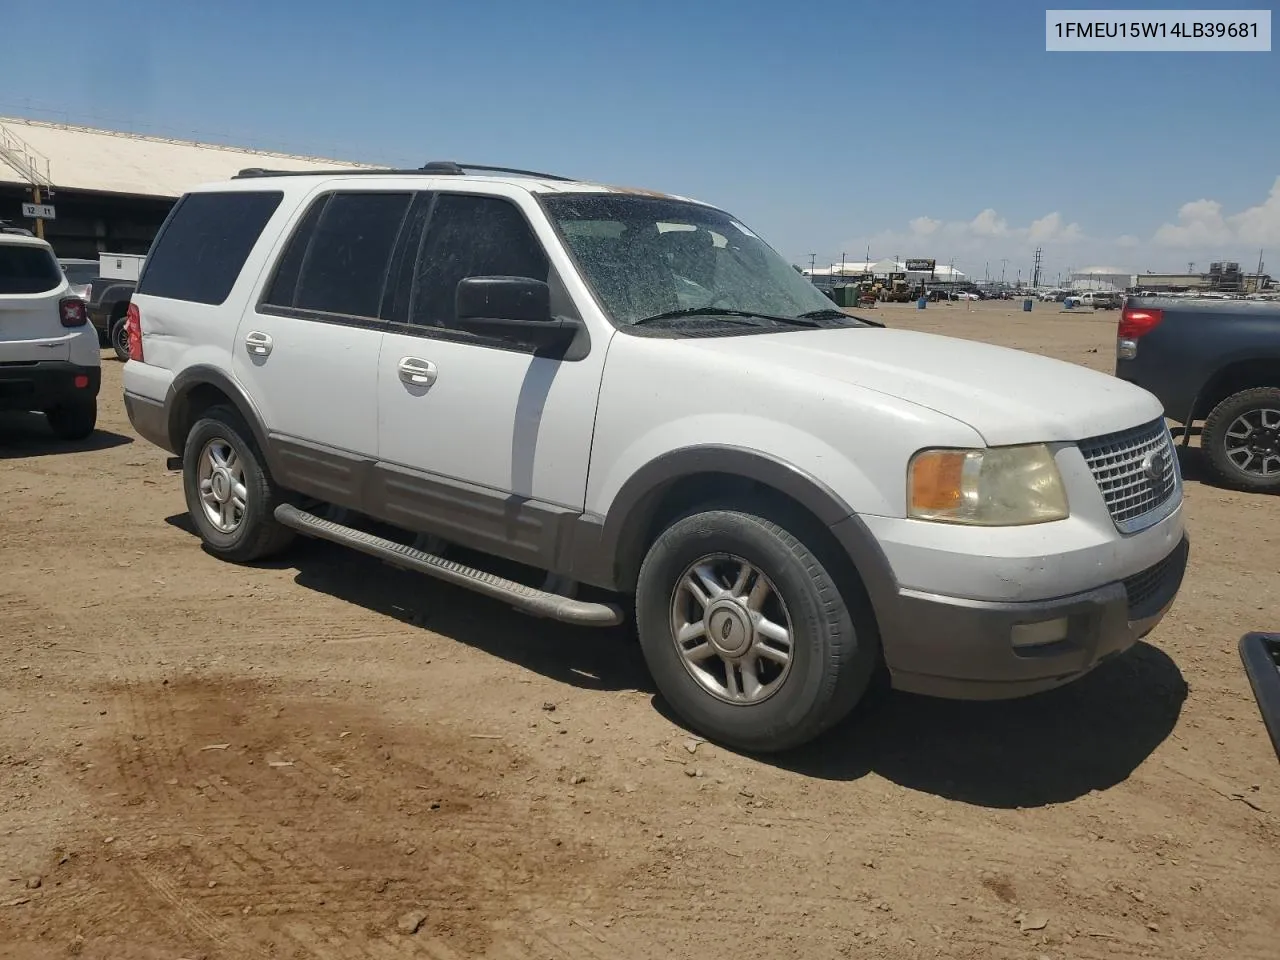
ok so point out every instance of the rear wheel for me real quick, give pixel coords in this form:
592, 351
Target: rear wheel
74, 419
120, 339
1242, 439
746, 633
230, 496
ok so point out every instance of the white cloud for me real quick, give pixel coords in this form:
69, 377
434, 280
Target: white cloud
1051, 227
1202, 230
989, 224
1201, 224
977, 242
923, 226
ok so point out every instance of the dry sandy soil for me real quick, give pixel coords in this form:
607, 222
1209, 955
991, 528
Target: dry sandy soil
311, 758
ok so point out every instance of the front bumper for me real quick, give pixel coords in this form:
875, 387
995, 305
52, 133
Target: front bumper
965, 649
46, 383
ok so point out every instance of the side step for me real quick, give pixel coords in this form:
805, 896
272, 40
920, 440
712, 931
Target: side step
524, 598
1261, 655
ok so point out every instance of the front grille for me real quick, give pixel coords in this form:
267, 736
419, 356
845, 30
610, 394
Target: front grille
1136, 470
1149, 590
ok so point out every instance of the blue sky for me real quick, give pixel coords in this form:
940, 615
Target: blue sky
931, 129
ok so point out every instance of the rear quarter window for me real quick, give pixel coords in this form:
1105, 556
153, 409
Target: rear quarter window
203, 245
25, 269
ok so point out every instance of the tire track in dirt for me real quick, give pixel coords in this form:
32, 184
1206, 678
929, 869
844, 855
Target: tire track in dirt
295, 835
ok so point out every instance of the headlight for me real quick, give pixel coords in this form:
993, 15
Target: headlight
993, 487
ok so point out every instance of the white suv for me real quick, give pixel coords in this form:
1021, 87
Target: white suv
49, 359
632, 393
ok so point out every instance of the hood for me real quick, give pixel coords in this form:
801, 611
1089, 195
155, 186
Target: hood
1007, 396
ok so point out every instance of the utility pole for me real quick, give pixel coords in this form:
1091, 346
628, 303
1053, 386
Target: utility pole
1004, 262
1035, 276
1257, 277
1191, 266
842, 265
813, 261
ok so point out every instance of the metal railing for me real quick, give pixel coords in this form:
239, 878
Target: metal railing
26, 160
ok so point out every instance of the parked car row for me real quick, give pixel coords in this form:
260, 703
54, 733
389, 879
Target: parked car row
105, 284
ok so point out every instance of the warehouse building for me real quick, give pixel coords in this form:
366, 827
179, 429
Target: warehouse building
110, 190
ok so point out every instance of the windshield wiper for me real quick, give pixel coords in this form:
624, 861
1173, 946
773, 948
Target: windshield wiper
832, 314
724, 312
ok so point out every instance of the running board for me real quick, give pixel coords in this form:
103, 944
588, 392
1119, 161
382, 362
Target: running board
526, 599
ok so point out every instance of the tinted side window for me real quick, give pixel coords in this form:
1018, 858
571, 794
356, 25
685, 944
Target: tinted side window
284, 284
203, 246
345, 269
470, 236
27, 269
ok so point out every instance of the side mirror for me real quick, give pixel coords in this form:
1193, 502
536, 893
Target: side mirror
516, 309
517, 299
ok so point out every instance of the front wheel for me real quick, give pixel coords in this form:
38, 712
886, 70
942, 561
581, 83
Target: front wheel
747, 634
1242, 439
230, 496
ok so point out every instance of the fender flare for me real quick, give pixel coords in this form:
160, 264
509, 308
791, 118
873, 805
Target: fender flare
617, 547
205, 375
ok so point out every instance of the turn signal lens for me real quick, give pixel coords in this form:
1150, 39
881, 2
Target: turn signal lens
937, 479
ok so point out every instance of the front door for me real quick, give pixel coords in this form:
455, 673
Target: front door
308, 350
480, 441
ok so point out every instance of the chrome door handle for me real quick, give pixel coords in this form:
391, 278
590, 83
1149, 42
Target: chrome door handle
258, 344
420, 373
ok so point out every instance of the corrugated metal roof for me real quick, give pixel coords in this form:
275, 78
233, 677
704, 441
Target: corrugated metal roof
86, 158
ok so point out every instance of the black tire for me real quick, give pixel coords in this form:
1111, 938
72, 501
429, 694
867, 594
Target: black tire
73, 420
120, 339
835, 644
258, 533
1214, 439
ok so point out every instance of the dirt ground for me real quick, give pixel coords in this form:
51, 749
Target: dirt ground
324, 757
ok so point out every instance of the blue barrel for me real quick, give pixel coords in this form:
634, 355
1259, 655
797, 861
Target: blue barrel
1026, 305
922, 303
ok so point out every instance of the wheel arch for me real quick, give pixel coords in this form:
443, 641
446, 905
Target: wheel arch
1243, 373
666, 486
198, 388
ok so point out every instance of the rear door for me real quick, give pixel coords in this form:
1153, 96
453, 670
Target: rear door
31, 284
307, 350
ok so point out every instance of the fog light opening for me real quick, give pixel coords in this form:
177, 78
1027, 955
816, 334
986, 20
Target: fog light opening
1040, 634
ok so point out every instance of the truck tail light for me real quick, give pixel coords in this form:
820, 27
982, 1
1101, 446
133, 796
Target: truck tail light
1138, 321
133, 330
72, 312
1135, 323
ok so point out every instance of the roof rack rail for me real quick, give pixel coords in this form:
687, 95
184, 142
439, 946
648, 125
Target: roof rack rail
448, 166
434, 167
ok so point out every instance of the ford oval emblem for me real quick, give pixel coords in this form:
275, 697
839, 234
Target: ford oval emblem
1154, 465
